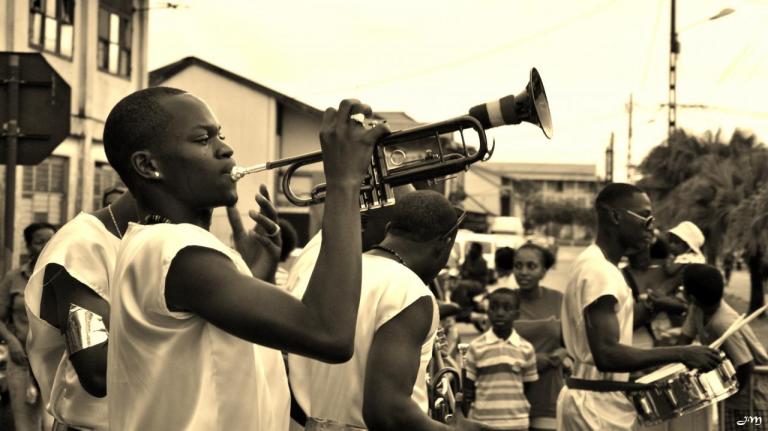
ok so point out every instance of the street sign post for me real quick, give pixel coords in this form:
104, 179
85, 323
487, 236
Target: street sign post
35, 116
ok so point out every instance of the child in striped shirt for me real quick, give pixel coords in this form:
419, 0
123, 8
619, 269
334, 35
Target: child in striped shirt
499, 365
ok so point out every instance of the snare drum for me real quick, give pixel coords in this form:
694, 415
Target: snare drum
677, 391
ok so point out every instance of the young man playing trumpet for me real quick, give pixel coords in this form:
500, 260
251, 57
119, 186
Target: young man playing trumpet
185, 308
383, 386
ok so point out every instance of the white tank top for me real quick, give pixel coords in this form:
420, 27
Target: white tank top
87, 251
173, 370
335, 391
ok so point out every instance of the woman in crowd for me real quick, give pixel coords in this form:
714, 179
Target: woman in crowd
539, 323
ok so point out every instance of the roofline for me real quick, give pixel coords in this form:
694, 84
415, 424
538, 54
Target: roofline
162, 74
526, 175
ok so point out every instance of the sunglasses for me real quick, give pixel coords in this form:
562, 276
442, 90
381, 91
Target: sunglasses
647, 221
461, 214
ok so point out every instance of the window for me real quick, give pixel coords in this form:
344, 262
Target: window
51, 26
104, 178
114, 46
44, 191
48, 176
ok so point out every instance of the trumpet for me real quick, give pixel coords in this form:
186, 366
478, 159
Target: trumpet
446, 384
419, 153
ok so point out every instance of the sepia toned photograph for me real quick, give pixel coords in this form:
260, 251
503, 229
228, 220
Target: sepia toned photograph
404, 215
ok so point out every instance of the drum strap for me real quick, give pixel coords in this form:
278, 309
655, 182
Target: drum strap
605, 385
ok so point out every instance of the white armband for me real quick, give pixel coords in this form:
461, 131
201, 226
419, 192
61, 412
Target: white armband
84, 329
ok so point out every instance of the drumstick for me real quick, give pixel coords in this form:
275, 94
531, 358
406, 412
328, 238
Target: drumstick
728, 332
738, 325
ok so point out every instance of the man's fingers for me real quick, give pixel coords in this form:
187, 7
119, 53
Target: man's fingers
266, 207
264, 224
265, 192
345, 110
235, 221
268, 242
329, 118
361, 108
379, 131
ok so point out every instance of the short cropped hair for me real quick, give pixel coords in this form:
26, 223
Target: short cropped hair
505, 291
703, 282
547, 257
30, 230
137, 122
615, 194
504, 258
422, 215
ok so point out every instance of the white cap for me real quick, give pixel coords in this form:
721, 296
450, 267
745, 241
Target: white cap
690, 234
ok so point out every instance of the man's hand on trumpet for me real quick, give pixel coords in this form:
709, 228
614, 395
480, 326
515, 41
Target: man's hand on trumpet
260, 247
347, 143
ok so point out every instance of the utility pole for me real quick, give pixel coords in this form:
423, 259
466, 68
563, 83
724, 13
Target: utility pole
629, 142
609, 161
674, 50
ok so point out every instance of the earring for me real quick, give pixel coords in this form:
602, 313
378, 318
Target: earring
157, 174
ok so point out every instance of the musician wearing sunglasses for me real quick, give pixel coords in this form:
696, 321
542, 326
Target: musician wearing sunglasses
599, 315
383, 386
186, 310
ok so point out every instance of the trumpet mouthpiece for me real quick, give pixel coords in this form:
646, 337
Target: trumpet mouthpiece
239, 171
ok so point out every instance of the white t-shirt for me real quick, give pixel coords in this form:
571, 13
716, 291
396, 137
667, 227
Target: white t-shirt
591, 277
174, 370
335, 391
86, 249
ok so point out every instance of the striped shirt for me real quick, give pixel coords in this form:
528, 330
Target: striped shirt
499, 369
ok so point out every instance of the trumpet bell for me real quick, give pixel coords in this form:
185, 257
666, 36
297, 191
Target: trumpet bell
530, 106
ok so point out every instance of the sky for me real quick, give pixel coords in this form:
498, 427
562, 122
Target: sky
434, 59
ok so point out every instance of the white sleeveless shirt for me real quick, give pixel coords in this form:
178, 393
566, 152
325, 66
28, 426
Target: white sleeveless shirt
335, 391
174, 370
86, 249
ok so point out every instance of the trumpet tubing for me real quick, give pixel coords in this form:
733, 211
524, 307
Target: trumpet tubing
443, 399
418, 153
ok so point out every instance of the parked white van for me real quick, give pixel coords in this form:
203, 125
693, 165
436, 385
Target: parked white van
489, 242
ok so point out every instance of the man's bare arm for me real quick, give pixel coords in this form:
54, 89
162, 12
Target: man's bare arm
610, 355
90, 363
393, 363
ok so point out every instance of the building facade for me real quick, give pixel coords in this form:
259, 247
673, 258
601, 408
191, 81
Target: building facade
99, 47
505, 189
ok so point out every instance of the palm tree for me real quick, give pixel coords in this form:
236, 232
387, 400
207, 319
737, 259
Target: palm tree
717, 186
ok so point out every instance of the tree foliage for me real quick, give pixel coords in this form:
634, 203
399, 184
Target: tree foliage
719, 186
562, 212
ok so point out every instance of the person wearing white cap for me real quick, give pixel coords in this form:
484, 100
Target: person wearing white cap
685, 242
